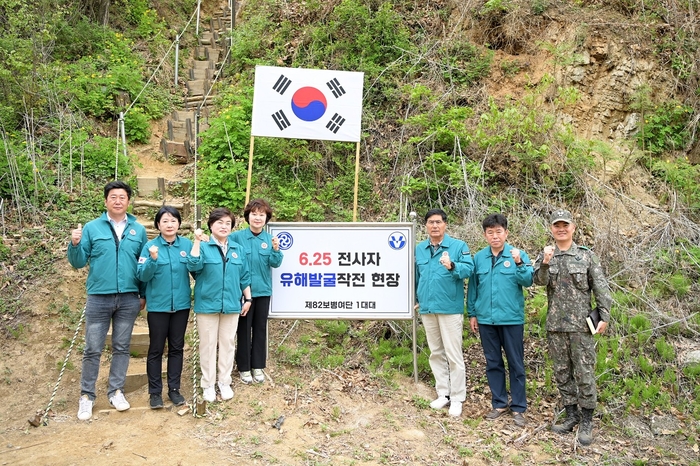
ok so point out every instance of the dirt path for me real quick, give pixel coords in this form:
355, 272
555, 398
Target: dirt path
151, 162
340, 416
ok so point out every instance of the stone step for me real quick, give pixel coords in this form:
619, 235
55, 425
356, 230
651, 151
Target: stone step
180, 130
198, 87
139, 341
220, 23
143, 206
208, 38
176, 151
136, 376
148, 186
211, 53
204, 73
182, 115
203, 64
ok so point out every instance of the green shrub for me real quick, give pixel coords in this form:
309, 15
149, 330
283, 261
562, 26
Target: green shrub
665, 128
683, 177
136, 126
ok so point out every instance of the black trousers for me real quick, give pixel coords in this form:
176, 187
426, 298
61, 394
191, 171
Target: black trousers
164, 326
251, 350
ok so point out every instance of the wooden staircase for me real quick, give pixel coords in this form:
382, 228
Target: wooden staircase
178, 143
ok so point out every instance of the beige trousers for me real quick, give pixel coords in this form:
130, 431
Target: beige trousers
216, 329
444, 335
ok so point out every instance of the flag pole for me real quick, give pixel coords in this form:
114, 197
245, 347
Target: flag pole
357, 178
250, 169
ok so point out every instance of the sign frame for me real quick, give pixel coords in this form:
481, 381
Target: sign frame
355, 228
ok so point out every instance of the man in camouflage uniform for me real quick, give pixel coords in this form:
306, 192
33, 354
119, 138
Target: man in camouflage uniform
571, 272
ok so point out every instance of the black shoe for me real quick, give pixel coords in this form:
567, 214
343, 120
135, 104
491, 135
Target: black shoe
156, 401
573, 417
176, 398
585, 428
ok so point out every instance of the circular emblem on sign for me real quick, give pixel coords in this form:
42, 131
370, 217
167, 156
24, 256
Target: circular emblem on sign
286, 240
234, 255
183, 254
132, 232
309, 104
264, 245
397, 240
506, 264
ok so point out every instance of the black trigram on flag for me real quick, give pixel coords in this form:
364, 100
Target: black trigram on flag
335, 87
281, 120
282, 84
335, 123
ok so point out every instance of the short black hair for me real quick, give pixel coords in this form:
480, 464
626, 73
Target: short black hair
258, 204
439, 212
166, 209
495, 220
218, 214
117, 185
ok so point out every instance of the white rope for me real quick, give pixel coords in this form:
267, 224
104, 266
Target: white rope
45, 416
195, 365
172, 44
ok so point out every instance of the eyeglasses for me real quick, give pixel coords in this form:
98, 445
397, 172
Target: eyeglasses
434, 222
118, 198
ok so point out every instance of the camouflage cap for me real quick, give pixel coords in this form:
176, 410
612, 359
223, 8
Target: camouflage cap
561, 216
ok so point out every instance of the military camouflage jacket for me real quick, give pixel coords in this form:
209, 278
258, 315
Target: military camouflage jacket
570, 277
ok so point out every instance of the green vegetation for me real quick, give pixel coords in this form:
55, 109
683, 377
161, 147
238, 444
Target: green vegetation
432, 137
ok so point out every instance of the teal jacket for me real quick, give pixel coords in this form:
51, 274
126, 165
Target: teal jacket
438, 290
260, 257
167, 279
112, 263
495, 293
219, 282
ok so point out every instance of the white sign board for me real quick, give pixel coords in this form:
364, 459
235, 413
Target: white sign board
352, 271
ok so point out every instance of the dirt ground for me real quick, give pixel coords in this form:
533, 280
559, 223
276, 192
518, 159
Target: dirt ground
334, 417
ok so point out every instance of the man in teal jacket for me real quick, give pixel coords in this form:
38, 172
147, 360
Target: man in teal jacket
442, 264
111, 245
496, 308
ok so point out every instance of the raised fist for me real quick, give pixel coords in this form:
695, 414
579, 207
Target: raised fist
76, 234
445, 260
516, 255
547, 254
153, 250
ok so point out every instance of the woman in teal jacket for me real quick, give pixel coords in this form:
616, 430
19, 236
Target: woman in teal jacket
262, 252
163, 269
222, 283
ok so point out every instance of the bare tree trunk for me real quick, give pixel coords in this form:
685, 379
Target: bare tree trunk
97, 10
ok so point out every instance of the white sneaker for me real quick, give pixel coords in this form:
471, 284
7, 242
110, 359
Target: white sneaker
209, 394
118, 401
85, 408
258, 375
455, 409
440, 402
226, 391
246, 378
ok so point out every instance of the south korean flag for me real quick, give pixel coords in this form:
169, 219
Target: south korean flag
300, 103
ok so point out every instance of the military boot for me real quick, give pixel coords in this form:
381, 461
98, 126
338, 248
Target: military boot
585, 430
572, 419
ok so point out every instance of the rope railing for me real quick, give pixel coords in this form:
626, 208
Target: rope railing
45, 416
